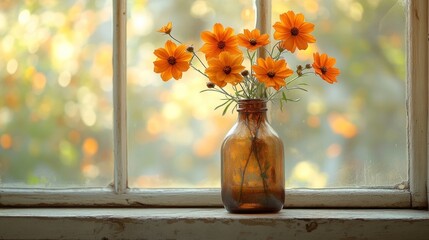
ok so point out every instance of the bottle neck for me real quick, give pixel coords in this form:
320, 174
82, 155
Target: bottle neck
252, 110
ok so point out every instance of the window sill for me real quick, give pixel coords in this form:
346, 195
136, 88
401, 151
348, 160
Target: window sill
211, 223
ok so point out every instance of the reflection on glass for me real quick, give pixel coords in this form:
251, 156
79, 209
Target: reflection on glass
346, 135
55, 93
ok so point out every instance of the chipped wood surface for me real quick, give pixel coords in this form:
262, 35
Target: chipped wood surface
120, 195
295, 198
193, 223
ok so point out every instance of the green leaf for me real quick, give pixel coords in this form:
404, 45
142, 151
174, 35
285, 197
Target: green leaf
207, 90
300, 88
226, 108
223, 104
234, 108
284, 96
295, 100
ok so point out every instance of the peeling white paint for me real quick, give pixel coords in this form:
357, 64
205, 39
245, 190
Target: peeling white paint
193, 223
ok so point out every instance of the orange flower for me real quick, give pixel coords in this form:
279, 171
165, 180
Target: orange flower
324, 67
171, 61
253, 40
272, 73
225, 69
166, 29
220, 40
293, 31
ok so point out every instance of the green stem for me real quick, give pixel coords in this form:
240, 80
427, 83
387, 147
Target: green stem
254, 151
202, 63
198, 70
285, 87
226, 93
272, 49
222, 91
263, 177
299, 76
174, 38
246, 94
269, 53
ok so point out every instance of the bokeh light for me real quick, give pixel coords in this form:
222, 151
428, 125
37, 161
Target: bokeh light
56, 95
54, 98
338, 135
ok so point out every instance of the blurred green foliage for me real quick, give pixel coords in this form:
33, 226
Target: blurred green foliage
56, 95
56, 103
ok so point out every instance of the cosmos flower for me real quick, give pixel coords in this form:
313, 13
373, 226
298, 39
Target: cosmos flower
172, 61
252, 40
271, 72
324, 67
166, 29
293, 31
220, 40
225, 69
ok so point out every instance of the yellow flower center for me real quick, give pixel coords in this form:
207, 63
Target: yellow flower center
171, 60
294, 31
221, 44
227, 70
271, 74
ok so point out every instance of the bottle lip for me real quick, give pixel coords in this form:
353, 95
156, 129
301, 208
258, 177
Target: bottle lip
252, 105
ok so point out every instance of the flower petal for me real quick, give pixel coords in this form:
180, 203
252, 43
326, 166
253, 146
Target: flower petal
160, 66
218, 31
208, 36
298, 21
161, 53
166, 75
182, 66
306, 27
176, 73
170, 47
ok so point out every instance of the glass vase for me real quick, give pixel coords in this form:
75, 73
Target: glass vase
252, 162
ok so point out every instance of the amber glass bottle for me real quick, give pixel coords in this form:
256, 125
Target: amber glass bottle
252, 162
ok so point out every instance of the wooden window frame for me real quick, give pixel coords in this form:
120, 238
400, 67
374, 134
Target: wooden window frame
415, 195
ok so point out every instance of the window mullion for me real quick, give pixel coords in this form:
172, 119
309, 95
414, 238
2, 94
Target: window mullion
417, 101
263, 20
119, 95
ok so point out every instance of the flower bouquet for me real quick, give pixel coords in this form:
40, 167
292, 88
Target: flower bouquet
252, 153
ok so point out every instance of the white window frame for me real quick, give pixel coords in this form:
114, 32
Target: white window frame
415, 195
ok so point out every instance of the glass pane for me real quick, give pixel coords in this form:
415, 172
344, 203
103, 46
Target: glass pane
349, 134
55, 93
352, 133
174, 134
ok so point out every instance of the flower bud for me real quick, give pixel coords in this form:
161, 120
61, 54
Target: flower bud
308, 66
299, 68
210, 85
190, 49
245, 73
